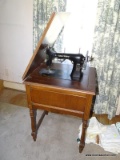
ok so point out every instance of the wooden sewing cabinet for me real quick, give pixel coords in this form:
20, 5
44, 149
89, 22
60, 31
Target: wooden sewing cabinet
53, 94
60, 96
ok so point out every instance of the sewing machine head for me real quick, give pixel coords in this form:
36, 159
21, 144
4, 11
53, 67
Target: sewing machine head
76, 59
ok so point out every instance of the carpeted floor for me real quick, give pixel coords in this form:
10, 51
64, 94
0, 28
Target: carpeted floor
56, 137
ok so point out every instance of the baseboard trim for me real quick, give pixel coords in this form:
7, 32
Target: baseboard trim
14, 85
1, 84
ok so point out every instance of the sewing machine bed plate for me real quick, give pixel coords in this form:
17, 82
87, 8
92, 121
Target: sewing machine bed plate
63, 74
55, 73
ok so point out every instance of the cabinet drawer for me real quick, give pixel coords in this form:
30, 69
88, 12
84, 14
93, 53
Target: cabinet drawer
57, 99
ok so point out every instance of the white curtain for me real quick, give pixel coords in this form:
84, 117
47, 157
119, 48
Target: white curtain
106, 53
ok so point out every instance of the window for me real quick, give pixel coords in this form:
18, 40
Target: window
78, 31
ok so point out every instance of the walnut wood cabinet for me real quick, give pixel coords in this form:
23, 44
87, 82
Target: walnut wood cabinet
60, 96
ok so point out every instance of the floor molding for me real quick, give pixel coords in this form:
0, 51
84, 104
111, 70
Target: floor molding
13, 85
1, 84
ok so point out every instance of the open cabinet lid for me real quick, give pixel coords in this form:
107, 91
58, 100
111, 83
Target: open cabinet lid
48, 38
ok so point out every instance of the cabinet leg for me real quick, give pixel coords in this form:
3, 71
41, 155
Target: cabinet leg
82, 141
33, 123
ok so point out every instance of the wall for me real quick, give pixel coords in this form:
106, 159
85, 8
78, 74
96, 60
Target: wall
16, 40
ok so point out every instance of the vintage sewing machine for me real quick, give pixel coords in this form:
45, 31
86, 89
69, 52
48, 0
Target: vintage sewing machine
77, 60
57, 87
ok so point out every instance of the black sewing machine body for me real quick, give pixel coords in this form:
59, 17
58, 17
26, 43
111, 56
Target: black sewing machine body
77, 64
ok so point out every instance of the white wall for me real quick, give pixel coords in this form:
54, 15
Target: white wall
16, 38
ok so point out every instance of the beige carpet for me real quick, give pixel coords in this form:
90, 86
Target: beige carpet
56, 137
